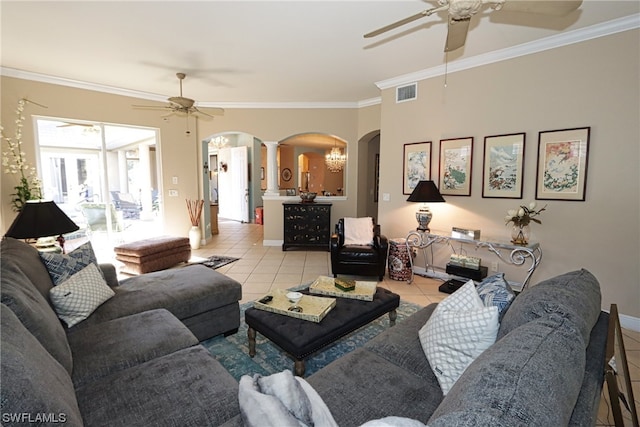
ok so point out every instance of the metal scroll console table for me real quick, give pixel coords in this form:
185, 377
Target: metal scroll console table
516, 255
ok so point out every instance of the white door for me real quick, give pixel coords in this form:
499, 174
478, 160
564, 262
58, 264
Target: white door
233, 184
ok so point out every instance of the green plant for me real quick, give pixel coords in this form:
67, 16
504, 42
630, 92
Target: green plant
524, 214
14, 162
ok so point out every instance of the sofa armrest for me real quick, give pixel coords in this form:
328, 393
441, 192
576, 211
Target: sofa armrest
110, 274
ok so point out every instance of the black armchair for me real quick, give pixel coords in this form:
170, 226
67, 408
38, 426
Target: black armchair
362, 260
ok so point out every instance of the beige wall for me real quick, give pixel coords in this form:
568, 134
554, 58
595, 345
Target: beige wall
180, 153
594, 83
177, 151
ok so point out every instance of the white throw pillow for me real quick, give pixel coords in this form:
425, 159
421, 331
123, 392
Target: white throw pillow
77, 297
457, 332
358, 231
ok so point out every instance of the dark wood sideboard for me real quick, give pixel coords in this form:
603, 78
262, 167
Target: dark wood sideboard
307, 225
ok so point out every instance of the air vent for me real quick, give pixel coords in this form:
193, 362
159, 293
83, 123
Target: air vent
407, 93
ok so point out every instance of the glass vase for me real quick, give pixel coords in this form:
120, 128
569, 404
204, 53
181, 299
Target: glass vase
520, 234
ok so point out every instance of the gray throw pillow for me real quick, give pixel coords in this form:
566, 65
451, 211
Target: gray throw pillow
574, 295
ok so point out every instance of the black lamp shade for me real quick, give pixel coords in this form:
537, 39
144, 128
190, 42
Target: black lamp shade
40, 219
425, 191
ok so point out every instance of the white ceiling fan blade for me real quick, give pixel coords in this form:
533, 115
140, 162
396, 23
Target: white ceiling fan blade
456, 34
404, 21
199, 113
542, 7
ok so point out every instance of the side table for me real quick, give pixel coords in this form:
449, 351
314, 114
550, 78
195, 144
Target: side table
517, 254
399, 262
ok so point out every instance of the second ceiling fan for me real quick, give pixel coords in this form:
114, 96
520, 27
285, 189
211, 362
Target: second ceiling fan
182, 105
459, 13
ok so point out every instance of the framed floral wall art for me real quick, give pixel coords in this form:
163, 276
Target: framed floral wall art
455, 166
562, 164
503, 166
416, 165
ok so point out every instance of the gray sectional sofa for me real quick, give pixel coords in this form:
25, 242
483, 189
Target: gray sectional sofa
136, 361
546, 367
144, 366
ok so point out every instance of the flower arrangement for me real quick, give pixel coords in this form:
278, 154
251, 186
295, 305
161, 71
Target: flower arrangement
14, 162
194, 207
524, 215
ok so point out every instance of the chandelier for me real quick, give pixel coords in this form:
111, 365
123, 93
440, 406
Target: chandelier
335, 160
218, 142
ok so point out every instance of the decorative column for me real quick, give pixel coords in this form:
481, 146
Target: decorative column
272, 168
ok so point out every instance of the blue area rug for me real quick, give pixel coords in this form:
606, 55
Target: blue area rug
233, 351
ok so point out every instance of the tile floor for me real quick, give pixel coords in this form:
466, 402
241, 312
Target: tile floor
262, 268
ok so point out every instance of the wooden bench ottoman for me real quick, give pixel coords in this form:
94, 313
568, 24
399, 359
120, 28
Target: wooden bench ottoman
154, 254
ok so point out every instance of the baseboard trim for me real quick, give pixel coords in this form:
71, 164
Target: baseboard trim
629, 322
272, 242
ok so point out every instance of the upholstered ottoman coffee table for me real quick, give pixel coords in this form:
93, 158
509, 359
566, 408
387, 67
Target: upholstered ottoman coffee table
154, 254
301, 338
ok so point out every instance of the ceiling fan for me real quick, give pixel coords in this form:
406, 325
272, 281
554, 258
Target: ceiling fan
183, 105
459, 13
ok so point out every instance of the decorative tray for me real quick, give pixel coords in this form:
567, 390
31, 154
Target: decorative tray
324, 285
314, 308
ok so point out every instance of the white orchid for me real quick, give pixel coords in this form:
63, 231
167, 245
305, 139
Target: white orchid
13, 160
523, 215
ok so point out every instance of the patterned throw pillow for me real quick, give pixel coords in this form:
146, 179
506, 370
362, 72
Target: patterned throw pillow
77, 297
457, 332
495, 291
61, 267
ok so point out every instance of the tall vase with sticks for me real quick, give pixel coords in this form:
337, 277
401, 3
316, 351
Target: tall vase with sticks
194, 207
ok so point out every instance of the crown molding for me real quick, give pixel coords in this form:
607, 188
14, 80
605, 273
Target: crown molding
570, 37
278, 105
567, 38
42, 78
369, 102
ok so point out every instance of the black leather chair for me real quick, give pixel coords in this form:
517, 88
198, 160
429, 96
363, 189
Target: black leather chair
361, 260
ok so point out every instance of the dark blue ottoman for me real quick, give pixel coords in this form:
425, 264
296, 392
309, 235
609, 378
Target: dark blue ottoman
301, 338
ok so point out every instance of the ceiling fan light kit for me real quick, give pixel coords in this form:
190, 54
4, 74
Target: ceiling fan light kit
459, 13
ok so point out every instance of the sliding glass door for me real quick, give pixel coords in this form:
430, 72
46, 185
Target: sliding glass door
104, 177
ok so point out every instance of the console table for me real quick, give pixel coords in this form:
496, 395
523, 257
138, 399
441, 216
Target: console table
517, 255
307, 225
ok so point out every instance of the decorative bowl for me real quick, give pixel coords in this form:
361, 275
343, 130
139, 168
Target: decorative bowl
294, 297
308, 197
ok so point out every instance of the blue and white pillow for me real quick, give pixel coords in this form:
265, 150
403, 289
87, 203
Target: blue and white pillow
61, 266
458, 331
495, 291
80, 295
